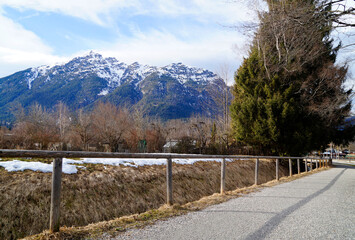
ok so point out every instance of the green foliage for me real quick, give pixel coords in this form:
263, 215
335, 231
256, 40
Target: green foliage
277, 108
264, 112
125, 95
166, 98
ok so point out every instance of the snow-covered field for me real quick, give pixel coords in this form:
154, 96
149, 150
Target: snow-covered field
71, 166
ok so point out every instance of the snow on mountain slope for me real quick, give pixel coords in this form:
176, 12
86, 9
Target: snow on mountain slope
169, 92
116, 72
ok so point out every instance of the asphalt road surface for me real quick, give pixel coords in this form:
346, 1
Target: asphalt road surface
319, 206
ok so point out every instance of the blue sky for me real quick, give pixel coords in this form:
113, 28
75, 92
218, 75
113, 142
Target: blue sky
154, 32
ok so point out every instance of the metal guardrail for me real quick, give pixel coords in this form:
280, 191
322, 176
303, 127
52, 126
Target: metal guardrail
59, 155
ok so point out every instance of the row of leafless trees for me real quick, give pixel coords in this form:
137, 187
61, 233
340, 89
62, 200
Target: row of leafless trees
110, 128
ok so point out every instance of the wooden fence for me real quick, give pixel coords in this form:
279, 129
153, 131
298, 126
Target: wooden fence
59, 155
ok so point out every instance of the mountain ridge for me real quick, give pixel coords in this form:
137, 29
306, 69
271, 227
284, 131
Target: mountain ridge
87, 79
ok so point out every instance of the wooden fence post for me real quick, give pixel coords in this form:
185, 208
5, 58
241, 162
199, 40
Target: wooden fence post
311, 164
169, 181
55, 195
223, 175
305, 165
277, 170
290, 166
256, 171
317, 160
298, 166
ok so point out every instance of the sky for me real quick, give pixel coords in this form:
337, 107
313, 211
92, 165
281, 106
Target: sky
199, 33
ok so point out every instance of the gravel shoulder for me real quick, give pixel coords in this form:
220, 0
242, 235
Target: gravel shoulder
319, 206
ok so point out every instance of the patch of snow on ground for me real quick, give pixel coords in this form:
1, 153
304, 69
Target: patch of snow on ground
136, 162
69, 166
16, 165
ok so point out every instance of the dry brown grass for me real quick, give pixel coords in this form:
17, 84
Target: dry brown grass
100, 194
109, 229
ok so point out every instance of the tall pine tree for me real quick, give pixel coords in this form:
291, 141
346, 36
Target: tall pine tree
289, 94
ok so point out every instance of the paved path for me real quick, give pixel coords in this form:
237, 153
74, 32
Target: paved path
344, 161
319, 206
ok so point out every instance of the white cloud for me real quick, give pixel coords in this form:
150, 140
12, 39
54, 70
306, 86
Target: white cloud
200, 47
12, 60
14, 36
20, 48
30, 58
224, 12
96, 11
103, 11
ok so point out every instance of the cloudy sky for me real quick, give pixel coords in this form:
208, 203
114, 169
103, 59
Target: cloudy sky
157, 32
199, 33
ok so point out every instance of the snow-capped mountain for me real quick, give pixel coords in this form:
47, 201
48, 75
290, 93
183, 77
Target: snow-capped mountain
172, 91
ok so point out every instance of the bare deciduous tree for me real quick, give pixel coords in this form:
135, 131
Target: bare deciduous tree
83, 128
154, 136
63, 121
3, 141
37, 130
201, 131
110, 124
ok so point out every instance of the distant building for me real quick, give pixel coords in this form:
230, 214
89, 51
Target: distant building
169, 146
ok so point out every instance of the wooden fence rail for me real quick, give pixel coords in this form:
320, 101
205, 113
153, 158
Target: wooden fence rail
59, 155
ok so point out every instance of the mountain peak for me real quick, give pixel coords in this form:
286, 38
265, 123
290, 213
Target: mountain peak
91, 57
172, 91
116, 73
92, 54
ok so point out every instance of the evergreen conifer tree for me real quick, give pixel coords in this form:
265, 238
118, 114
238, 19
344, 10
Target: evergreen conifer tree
289, 94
